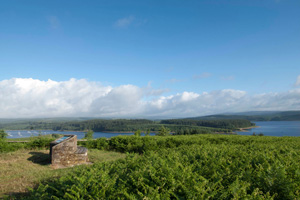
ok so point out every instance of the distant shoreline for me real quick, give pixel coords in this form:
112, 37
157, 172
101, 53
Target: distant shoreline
246, 129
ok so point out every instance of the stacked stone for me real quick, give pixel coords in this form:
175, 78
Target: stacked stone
66, 153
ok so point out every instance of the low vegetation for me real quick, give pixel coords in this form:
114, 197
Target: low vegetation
200, 166
39, 142
185, 167
26, 168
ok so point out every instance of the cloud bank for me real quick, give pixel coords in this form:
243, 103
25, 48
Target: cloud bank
21, 98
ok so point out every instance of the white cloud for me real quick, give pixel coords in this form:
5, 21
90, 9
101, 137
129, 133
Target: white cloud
35, 98
31, 97
298, 81
124, 22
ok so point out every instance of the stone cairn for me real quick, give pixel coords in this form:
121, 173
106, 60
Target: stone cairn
64, 152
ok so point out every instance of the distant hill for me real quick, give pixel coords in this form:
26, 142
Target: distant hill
256, 116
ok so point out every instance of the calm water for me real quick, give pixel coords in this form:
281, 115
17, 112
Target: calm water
22, 133
275, 128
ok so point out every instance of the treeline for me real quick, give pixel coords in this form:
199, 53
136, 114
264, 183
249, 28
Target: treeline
230, 124
177, 126
96, 125
256, 116
105, 125
122, 125
195, 131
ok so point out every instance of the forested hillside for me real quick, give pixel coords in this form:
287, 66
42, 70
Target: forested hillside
219, 123
256, 116
211, 123
126, 125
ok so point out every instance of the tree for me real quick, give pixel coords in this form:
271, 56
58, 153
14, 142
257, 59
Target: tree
147, 133
138, 132
3, 134
163, 131
89, 135
55, 135
186, 132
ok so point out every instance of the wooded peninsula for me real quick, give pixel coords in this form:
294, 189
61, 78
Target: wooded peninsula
177, 126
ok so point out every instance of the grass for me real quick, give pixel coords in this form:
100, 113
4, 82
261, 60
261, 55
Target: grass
26, 168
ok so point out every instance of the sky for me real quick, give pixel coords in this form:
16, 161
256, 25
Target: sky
147, 59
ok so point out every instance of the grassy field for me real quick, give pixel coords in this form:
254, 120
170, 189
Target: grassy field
26, 168
186, 167
171, 167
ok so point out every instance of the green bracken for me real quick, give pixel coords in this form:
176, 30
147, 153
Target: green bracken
186, 167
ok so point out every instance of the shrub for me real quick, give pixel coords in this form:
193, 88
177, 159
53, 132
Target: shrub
138, 133
40, 142
163, 131
3, 134
55, 135
9, 147
89, 135
99, 143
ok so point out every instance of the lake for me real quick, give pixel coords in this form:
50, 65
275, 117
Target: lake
271, 128
80, 135
275, 128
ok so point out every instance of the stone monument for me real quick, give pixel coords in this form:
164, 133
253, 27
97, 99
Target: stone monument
64, 152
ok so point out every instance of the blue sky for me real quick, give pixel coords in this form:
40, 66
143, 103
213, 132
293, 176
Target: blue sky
169, 47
